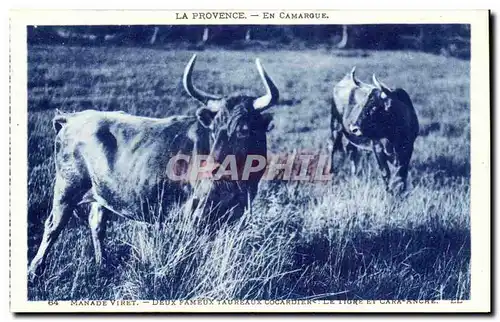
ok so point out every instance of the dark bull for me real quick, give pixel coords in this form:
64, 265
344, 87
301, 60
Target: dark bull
378, 118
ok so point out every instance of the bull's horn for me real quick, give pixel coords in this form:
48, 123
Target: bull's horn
272, 93
353, 76
379, 85
191, 89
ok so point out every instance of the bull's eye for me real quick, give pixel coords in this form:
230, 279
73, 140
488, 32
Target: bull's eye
243, 131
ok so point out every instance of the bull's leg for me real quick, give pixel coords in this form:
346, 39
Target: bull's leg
191, 205
353, 153
97, 222
382, 163
403, 162
336, 133
336, 145
65, 201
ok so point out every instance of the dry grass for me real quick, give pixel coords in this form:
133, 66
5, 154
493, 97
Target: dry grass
343, 239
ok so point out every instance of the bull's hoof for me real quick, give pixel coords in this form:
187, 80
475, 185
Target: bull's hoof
33, 275
35, 270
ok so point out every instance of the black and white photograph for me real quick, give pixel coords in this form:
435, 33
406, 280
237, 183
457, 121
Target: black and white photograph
249, 164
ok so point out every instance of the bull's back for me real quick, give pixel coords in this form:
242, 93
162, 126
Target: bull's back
409, 114
126, 156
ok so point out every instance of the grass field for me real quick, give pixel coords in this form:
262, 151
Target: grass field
346, 239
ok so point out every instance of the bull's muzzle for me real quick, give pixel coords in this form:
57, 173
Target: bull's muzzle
354, 129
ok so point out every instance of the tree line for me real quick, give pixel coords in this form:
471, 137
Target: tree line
447, 39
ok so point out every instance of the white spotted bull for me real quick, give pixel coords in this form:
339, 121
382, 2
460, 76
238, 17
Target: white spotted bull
377, 118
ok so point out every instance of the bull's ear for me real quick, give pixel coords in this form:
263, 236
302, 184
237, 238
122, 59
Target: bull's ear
267, 121
205, 116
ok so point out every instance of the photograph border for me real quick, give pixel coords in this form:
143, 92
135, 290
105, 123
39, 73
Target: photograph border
480, 299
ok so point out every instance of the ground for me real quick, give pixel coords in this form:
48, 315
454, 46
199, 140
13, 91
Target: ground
342, 239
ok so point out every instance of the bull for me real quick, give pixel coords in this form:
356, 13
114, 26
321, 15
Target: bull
377, 118
238, 140
118, 162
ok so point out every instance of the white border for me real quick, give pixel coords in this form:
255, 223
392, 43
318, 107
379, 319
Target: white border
480, 151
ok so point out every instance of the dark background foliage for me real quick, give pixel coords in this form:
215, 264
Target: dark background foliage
446, 39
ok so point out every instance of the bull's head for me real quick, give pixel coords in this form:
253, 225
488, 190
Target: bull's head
236, 123
371, 109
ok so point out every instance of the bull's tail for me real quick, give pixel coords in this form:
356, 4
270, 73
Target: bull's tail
59, 120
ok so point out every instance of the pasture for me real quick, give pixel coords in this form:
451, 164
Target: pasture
344, 239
